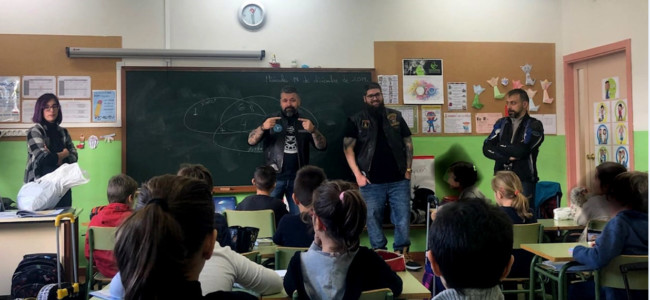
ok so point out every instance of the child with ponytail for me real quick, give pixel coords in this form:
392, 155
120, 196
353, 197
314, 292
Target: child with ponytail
336, 266
162, 247
508, 193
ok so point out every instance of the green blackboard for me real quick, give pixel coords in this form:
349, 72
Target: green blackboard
176, 116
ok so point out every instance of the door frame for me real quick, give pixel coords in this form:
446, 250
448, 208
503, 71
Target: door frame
570, 126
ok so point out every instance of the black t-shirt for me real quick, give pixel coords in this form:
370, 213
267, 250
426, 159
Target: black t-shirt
290, 162
293, 232
383, 168
516, 219
260, 202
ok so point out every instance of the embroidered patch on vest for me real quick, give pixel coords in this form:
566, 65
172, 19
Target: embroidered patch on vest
392, 117
365, 124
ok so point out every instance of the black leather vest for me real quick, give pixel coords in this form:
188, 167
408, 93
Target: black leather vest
364, 148
273, 143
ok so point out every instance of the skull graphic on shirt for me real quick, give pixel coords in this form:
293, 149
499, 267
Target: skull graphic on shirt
290, 145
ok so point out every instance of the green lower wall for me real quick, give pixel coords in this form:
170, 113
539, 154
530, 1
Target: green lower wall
105, 161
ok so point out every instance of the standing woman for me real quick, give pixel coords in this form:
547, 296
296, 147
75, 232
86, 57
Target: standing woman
48, 144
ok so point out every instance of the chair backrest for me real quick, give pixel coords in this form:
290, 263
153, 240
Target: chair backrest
253, 256
526, 234
378, 294
101, 238
597, 225
610, 275
262, 219
283, 256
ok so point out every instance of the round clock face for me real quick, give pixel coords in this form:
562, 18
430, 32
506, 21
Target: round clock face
251, 15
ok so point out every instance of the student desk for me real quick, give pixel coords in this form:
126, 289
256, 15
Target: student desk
20, 236
559, 225
554, 252
411, 289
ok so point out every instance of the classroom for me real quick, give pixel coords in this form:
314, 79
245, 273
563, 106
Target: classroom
345, 35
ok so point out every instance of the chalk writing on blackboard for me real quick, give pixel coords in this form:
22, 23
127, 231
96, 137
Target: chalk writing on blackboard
229, 120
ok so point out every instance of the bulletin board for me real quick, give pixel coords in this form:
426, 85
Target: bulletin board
474, 63
45, 55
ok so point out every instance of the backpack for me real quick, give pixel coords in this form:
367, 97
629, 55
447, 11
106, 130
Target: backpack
33, 272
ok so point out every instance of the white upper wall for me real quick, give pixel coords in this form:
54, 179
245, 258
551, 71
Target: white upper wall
340, 33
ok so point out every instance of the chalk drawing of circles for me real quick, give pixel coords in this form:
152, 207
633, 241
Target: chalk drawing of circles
207, 114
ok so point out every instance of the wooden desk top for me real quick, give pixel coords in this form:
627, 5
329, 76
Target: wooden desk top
552, 224
411, 289
555, 252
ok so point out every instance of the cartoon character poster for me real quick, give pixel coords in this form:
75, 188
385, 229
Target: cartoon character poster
602, 132
610, 88
431, 119
619, 111
601, 112
603, 154
622, 156
621, 134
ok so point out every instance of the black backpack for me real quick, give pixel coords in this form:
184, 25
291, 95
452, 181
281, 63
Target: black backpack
33, 272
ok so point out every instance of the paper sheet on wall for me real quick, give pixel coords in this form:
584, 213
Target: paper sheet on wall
431, 115
458, 123
409, 114
549, 121
457, 95
74, 87
422, 81
9, 99
390, 88
485, 121
104, 107
35, 86
76, 111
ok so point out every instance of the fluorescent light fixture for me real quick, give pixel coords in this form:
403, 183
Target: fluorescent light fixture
77, 52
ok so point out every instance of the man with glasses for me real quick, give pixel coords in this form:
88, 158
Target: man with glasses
378, 148
287, 137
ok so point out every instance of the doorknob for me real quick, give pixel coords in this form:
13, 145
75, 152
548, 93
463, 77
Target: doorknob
591, 156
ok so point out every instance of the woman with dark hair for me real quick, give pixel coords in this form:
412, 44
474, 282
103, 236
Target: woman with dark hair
161, 248
48, 144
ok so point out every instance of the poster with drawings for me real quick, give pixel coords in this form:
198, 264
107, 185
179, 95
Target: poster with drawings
622, 155
431, 115
602, 134
620, 133
10, 98
619, 110
603, 154
422, 81
601, 112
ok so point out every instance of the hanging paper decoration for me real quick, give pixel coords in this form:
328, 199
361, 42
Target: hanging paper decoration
516, 84
494, 82
526, 68
545, 84
478, 89
505, 81
531, 103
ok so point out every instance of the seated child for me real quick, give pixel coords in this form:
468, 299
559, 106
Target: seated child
162, 247
508, 193
199, 171
626, 232
471, 249
335, 266
264, 182
295, 230
462, 176
120, 192
597, 207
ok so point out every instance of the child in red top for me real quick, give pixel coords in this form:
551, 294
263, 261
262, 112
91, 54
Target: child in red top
121, 193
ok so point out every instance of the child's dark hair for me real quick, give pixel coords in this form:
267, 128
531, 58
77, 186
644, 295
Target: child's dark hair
340, 207
155, 245
630, 189
465, 173
265, 177
307, 180
120, 187
468, 234
606, 172
198, 171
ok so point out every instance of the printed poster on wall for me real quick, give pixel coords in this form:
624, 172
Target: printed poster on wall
457, 95
74, 87
610, 88
104, 106
35, 86
621, 133
601, 112
389, 88
9, 99
603, 154
485, 121
458, 123
423, 81
619, 110
602, 134
622, 155
431, 115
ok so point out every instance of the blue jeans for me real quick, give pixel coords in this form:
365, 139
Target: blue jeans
399, 198
284, 187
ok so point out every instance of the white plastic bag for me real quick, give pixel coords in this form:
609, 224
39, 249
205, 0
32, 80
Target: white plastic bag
562, 213
45, 192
